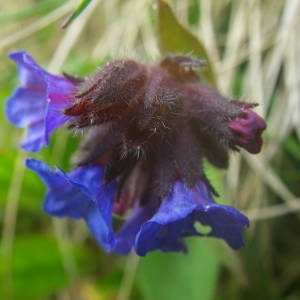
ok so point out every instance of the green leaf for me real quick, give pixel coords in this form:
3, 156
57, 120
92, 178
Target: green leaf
173, 37
79, 9
175, 276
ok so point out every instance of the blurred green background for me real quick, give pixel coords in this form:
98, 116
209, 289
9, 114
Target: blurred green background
253, 53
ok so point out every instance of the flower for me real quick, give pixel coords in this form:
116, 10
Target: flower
177, 215
79, 194
148, 129
83, 194
38, 102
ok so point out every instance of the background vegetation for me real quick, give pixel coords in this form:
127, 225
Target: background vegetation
253, 48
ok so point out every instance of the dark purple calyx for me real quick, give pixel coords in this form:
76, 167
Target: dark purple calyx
153, 124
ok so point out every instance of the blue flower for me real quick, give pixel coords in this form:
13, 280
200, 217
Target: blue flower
79, 194
177, 216
38, 103
83, 194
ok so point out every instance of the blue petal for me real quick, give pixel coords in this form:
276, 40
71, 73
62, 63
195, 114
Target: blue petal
30, 73
35, 141
79, 194
125, 237
177, 215
226, 222
25, 106
40, 100
59, 94
28, 103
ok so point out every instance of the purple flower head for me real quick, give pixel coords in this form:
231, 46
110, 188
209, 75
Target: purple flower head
39, 101
148, 130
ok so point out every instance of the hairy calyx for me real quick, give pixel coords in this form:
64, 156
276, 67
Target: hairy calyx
158, 121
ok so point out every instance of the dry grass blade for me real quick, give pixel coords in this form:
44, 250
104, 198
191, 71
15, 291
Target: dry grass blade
274, 211
10, 216
235, 37
207, 32
254, 87
70, 38
148, 40
269, 177
23, 33
291, 79
112, 43
289, 17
